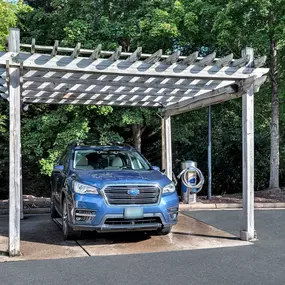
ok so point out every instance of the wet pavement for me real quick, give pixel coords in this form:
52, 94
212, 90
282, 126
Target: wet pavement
41, 238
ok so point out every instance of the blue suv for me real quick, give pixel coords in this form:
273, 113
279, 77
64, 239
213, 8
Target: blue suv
111, 188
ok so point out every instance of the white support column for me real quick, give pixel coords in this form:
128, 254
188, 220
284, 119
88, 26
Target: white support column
15, 149
248, 231
168, 148
162, 144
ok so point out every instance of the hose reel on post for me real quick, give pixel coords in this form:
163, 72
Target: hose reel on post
189, 185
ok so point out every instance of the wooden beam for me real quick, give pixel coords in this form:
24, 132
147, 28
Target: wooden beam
207, 60
223, 88
42, 88
15, 149
163, 154
135, 56
89, 52
2, 72
202, 103
248, 231
116, 55
260, 61
123, 67
92, 102
168, 146
225, 61
258, 82
191, 59
104, 97
240, 62
172, 58
56, 78
96, 53
154, 57
33, 46
55, 48
3, 89
76, 51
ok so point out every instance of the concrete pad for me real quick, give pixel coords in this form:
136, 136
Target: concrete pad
188, 234
41, 238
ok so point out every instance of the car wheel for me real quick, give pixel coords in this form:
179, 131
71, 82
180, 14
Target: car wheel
164, 231
68, 232
53, 212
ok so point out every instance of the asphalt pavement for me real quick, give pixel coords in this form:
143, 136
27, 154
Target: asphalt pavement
261, 263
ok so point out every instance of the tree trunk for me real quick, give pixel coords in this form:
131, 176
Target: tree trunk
137, 136
274, 127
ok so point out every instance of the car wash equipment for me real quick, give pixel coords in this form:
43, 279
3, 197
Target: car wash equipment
189, 186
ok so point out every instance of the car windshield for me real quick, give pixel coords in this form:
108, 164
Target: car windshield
109, 160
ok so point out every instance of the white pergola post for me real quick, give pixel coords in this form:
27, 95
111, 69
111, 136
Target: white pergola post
162, 144
167, 146
248, 231
15, 148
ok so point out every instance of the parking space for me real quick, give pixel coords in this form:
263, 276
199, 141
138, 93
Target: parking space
41, 238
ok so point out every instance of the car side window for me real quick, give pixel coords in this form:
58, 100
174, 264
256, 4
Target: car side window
66, 159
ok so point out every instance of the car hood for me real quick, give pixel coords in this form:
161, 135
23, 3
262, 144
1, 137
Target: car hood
99, 178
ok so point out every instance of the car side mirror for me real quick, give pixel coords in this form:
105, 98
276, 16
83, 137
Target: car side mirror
58, 168
156, 168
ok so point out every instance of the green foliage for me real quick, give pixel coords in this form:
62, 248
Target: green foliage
46, 136
203, 25
8, 19
8, 15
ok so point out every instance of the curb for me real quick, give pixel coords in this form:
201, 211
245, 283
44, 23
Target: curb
221, 206
5, 212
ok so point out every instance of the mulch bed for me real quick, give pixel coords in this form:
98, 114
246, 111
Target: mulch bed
264, 196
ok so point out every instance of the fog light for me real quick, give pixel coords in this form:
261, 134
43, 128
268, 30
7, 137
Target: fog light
173, 213
84, 215
173, 216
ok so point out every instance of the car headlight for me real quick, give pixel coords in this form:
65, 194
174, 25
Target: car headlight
170, 188
84, 189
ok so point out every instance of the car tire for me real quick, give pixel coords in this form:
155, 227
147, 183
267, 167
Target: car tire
164, 231
53, 212
68, 232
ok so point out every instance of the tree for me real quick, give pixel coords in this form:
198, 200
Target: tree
258, 24
187, 26
8, 19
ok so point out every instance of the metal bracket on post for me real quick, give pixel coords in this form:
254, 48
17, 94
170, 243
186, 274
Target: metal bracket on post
248, 232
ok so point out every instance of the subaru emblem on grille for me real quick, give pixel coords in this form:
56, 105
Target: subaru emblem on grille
134, 192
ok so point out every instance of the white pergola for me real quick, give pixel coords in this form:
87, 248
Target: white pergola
173, 83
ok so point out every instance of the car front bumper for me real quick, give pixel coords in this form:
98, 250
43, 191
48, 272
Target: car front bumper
154, 216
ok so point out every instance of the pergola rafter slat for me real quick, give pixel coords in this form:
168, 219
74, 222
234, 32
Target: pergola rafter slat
96, 53
55, 48
136, 55
76, 51
175, 84
225, 61
129, 91
143, 82
108, 102
123, 67
207, 60
116, 54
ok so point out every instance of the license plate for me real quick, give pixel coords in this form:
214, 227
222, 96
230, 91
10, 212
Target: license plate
133, 213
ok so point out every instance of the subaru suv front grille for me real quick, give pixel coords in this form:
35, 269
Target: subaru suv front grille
132, 194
